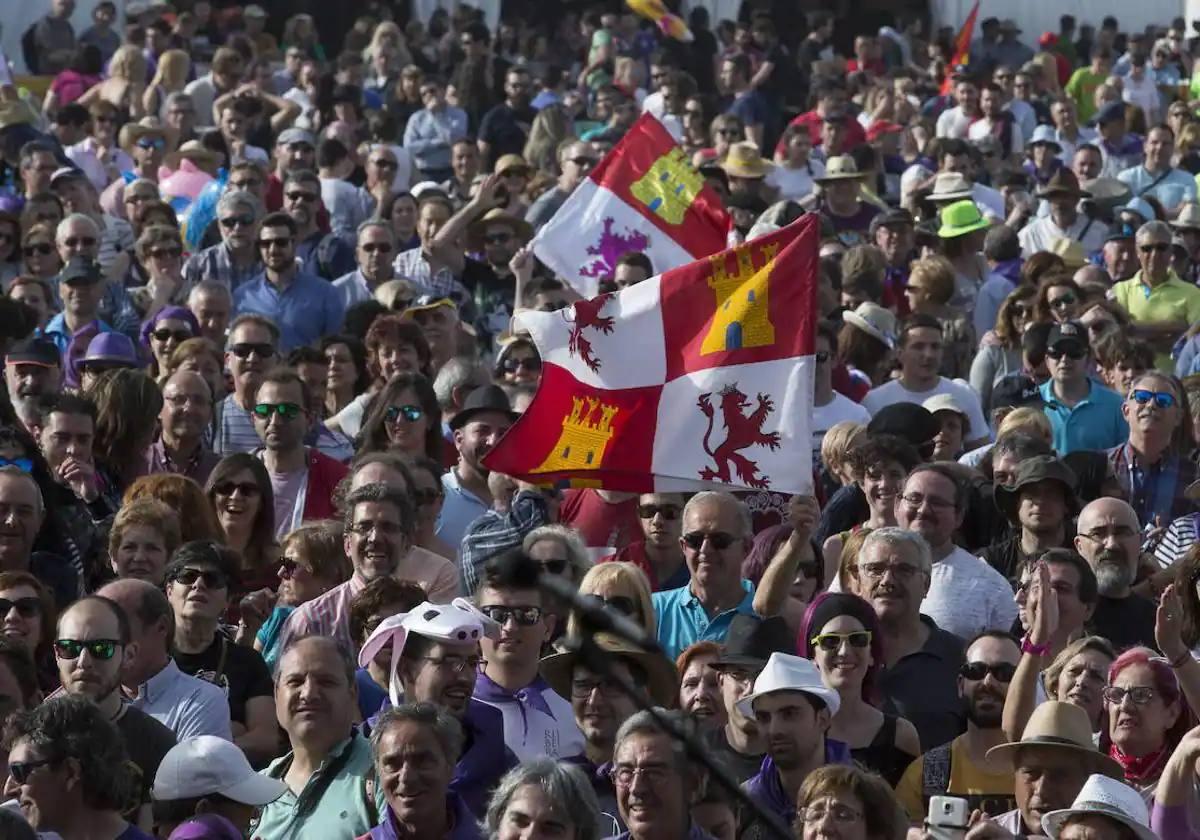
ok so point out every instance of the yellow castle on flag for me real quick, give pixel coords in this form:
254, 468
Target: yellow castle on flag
669, 187
741, 319
586, 433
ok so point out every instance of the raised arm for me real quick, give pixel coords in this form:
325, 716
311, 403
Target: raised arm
1042, 608
772, 592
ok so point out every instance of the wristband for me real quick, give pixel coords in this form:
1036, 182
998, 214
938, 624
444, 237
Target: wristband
1029, 647
1184, 658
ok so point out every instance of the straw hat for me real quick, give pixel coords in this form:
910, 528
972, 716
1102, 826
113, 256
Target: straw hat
197, 153
840, 168
875, 321
132, 132
1061, 726
950, 186
1063, 182
1102, 796
1071, 251
662, 680
1189, 217
522, 230
744, 161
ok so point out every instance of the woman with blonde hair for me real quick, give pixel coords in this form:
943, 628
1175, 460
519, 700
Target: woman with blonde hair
929, 289
170, 76
551, 128
387, 35
125, 86
841, 438
622, 587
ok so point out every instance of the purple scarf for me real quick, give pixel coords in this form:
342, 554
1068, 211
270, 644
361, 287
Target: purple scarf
1010, 270
465, 827
766, 788
489, 691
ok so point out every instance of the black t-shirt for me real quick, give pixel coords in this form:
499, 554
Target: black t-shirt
741, 765
505, 130
146, 741
238, 670
1126, 622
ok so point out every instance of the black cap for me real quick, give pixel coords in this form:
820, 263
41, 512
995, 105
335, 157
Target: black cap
81, 268
1016, 390
892, 217
909, 421
34, 351
486, 398
1071, 332
751, 640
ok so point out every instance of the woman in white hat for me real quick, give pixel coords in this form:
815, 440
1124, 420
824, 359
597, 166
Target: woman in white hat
865, 344
1105, 809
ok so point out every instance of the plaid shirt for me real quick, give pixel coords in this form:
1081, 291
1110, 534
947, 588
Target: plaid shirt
1157, 490
411, 265
216, 264
495, 532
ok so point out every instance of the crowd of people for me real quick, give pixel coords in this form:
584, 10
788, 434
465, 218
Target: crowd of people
260, 275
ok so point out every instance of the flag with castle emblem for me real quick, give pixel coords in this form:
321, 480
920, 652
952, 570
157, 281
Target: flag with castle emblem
700, 376
643, 196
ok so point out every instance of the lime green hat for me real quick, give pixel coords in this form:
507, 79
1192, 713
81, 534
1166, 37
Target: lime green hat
961, 218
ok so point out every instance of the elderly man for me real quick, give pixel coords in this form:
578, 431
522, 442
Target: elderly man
1161, 305
933, 504
1157, 177
1040, 500
575, 161
892, 574
212, 304
1083, 413
1064, 220
332, 787
251, 350
716, 536
659, 553
81, 288
1120, 252
1109, 539
414, 748
235, 261
185, 418
32, 370
186, 705
963, 767
375, 250
655, 780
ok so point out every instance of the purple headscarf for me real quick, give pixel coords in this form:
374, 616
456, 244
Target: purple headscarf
168, 313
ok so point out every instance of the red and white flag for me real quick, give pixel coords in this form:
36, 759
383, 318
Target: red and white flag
644, 196
702, 375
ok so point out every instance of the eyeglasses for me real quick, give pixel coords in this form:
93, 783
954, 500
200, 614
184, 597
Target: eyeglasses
833, 641
876, 571
555, 565
22, 770
839, 812
582, 688
243, 351
227, 488
822, 356
525, 616
1072, 352
1060, 302
230, 222
1160, 247
166, 335
282, 242
98, 648
668, 512
286, 411
1140, 695
497, 238
915, 500
301, 195
717, 539
975, 671
1160, 398
530, 363
654, 774
211, 577
28, 607
41, 249
1120, 532
457, 664
387, 529
411, 413
376, 247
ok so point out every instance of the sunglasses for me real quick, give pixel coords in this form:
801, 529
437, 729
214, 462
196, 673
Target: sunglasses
1002, 671
384, 163
22, 770
377, 248
525, 616
411, 413
98, 648
287, 568
282, 242
286, 411
822, 356
243, 351
300, 195
166, 334
80, 242
41, 249
497, 238
26, 607
165, 253
621, 603
718, 539
1160, 247
230, 222
668, 512
1073, 352
148, 144
530, 364
1161, 399
832, 642
23, 464
555, 565
1059, 303
212, 578
227, 488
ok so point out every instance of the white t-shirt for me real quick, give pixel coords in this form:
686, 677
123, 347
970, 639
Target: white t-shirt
795, 184
986, 128
954, 123
350, 418
894, 392
835, 411
967, 596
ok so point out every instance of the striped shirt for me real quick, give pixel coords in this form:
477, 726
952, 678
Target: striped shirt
1179, 537
235, 432
215, 265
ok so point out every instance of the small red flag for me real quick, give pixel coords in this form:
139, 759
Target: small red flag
962, 48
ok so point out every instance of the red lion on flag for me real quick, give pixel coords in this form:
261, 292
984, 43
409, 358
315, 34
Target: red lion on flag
587, 314
742, 431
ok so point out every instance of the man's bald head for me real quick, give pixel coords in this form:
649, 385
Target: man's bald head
1109, 538
187, 379
1108, 508
144, 603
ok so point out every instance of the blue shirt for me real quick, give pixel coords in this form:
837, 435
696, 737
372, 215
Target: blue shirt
1095, 422
1172, 188
306, 310
460, 508
682, 619
57, 331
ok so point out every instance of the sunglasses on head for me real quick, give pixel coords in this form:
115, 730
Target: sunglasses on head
411, 413
286, 411
669, 512
1002, 671
243, 351
1162, 399
27, 607
833, 641
98, 648
211, 577
227, 488
717, 539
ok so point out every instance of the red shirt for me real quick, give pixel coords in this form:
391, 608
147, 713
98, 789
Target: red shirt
855, 134
601, 524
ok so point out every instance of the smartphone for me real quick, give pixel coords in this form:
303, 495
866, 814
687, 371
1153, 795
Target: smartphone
948, 817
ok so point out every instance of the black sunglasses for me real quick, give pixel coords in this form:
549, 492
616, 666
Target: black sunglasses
243, 351
226, 488
22, 770
166, 335
669, 512
230, 222
1002, 671
212, 578
28, 607
717, 539
555, 565
525, 616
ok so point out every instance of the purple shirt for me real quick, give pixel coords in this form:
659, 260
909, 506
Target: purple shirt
766, 788
465, 827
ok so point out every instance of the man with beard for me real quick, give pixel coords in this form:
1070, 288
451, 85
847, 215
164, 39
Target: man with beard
379, 527
537, 720
324, 255
659, 553
1109, 538
793, 709
304, 306
32, 369
484, 419
92, 647
185, 417
1083, 413
601, 706
251, 350
892, 574
1039, 499
505, 128
295, 151
375, 250
235, 260
963, 766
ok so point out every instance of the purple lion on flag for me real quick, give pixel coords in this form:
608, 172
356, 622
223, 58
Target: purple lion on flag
610, 248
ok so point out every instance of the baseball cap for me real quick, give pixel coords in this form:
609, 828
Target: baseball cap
1111, 112
205, 765
1016, 390
34, 351
81, 268
296, 135
1070, 332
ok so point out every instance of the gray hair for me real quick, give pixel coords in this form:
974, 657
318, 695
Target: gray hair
892, 535
646, 723
235, 199
76, 218
458, 372
564, 784
445, 726
382, 494
382, 224
1154, 229
16, 472
579, 561
721, 497
344, 656
209, 287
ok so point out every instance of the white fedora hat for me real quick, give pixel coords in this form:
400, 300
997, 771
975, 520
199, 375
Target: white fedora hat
1102, 796
785, 672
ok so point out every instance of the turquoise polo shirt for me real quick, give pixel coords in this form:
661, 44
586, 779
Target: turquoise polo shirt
682, 619
1095, 422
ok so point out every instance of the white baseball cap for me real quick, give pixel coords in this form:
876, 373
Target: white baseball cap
205, 765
